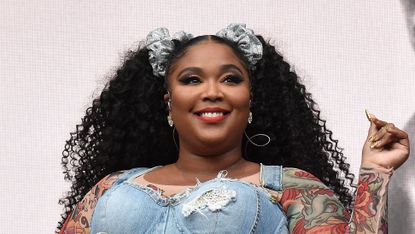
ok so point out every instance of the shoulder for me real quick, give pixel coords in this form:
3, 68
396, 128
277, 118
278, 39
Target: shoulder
97, 191
301, 189
300, 179
107, 182
80, 218
117, 177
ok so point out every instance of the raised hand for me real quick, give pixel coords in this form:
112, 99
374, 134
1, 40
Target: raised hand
386, 145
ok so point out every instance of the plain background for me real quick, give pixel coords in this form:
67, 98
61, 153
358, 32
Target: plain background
55, 57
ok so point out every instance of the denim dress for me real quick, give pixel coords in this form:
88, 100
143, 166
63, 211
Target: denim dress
220, 205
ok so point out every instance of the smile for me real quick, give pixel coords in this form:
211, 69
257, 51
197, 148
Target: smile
212, 114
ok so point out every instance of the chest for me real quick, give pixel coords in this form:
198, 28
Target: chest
217, 206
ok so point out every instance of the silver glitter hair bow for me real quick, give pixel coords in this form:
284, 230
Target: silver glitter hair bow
246, 40
160, 45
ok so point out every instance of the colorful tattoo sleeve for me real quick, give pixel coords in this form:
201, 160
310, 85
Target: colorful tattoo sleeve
78, 221
312, 207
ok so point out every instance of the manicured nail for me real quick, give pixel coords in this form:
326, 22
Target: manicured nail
368, 115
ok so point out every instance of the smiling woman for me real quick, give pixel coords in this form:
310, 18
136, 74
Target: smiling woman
209, 92
163, 149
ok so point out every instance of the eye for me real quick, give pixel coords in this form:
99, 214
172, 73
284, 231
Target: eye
190, 80
233, 79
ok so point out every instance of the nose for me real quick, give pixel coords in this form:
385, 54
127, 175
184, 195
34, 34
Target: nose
212, 91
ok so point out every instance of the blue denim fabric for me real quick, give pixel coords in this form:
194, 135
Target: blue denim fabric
220, 205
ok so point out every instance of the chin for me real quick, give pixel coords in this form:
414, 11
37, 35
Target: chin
212, 140
218, 141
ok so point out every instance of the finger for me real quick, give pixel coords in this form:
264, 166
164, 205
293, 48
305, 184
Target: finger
379, 123
381, 132
385, 140
398, 132
393, 135
372, 130
401, 136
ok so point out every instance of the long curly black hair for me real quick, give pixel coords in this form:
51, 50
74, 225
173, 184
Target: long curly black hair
126, 125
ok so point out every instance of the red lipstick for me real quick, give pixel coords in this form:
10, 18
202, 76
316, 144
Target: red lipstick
212, 114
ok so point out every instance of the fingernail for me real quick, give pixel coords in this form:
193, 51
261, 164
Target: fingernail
368, 115
374, 145
371, 138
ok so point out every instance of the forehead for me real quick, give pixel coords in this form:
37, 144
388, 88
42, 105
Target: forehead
208, 54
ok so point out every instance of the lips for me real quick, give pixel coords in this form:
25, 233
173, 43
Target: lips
212, 114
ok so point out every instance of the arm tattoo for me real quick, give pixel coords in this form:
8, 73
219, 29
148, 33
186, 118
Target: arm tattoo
312, 207
370, 209
79, 219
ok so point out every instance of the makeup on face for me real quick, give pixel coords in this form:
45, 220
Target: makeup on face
210, 92
212, 114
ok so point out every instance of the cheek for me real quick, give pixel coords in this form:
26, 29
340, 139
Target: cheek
242, 104
183, 101
181, 98
240, 99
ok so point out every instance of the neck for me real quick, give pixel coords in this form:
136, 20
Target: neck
206, 167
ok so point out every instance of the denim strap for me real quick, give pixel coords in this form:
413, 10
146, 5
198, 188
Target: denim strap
271, 177
130, 174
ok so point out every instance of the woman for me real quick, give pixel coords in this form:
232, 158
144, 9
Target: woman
182, 111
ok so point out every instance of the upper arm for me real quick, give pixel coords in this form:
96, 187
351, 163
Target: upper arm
311, 207
78, 221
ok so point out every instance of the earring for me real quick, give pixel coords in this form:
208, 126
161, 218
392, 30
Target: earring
169, 104
169, 120
250, 118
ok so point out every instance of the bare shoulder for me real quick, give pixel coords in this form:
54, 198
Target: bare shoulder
107, 182
79, 219
300, 179
90, 199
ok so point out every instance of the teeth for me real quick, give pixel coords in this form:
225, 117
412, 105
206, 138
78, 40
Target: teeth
211, 114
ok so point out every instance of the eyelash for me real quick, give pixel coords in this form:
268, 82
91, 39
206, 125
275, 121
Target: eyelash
189, 80
235, 79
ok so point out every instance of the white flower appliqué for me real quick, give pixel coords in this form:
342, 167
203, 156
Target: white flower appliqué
214, 199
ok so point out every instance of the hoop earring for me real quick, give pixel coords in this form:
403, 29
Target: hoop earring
249, 140
250, 118
257, 135
174, 139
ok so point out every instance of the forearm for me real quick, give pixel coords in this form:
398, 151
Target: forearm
370, 209
311, 207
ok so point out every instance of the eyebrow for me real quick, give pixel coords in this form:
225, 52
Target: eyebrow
222, 68
229, 67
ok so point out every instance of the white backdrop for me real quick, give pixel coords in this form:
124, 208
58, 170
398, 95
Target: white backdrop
55, 56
